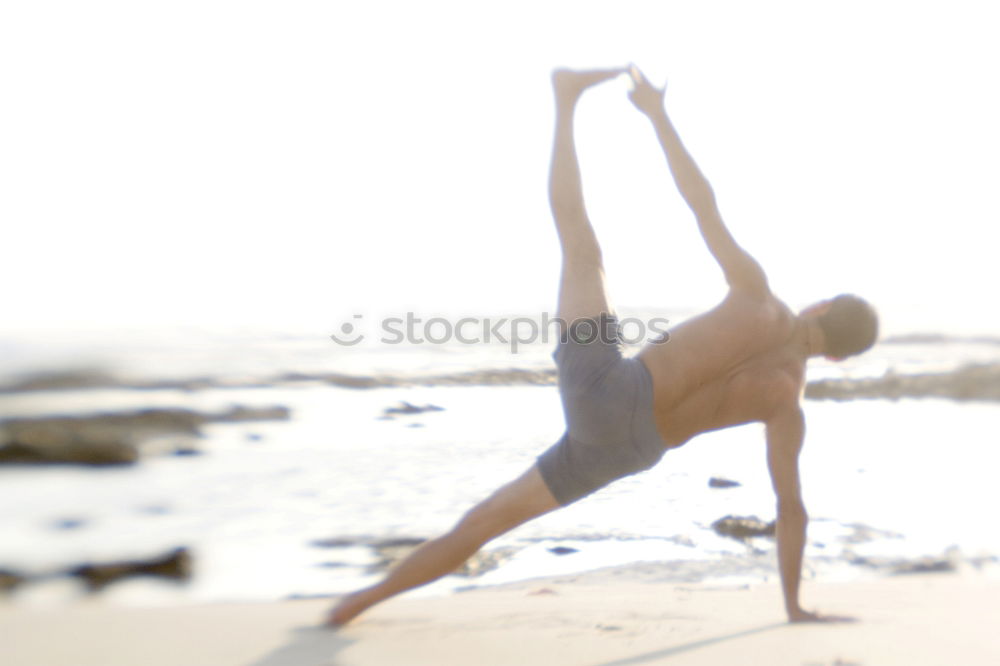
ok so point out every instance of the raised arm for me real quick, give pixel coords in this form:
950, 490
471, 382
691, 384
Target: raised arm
741, 270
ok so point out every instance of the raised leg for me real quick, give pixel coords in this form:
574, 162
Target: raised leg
581, 288
513, 504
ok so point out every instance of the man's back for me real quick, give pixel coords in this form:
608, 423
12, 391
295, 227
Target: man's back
734, 364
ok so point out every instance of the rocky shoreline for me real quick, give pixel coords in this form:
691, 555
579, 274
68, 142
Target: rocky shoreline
126, 437
970, 382
175, 565
115, 438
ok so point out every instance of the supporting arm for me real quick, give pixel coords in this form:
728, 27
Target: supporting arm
785, 434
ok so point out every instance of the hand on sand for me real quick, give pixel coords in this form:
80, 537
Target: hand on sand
805, 616
644, 95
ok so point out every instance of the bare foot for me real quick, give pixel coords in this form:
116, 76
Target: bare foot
569, 84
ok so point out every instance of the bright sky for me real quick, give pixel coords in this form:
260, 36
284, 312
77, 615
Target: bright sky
250, 162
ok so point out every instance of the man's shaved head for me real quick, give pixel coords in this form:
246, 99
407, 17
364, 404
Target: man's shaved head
849, 325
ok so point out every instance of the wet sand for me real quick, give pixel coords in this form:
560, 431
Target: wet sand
610, 617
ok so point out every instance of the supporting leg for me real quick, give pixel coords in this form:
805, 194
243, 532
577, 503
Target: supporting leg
515, 503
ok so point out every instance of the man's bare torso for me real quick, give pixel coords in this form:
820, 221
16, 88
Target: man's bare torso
731, 365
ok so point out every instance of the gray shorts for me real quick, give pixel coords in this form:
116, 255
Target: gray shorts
608, 403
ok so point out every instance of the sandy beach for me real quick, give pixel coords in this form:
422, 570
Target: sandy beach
287, 297
611, 617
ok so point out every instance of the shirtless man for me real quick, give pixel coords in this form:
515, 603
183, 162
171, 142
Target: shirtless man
741, 362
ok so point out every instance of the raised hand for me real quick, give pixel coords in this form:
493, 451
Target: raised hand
644, 95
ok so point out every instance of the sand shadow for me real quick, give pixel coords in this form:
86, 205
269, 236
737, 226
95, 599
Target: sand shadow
687, 647
307, 646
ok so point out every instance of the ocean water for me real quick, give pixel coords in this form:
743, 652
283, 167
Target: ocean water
917, 472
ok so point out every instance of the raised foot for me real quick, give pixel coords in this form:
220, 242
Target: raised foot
570, 83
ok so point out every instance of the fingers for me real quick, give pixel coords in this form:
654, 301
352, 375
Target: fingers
636, 74
639, 80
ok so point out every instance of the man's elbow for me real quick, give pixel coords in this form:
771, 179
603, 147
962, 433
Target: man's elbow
701, 199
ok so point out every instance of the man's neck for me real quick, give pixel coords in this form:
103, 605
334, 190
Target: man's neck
807, 338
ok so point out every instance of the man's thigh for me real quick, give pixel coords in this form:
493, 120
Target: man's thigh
517, 502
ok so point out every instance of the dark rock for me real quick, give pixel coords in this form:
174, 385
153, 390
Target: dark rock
743, 527
187, 451
175, 565
901, 566
406, 408
562, 550
240, 414
110, 438
69, 523
719, 482
348, 381
10, 580
254, 437
925, 565
54, 442
61, 380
